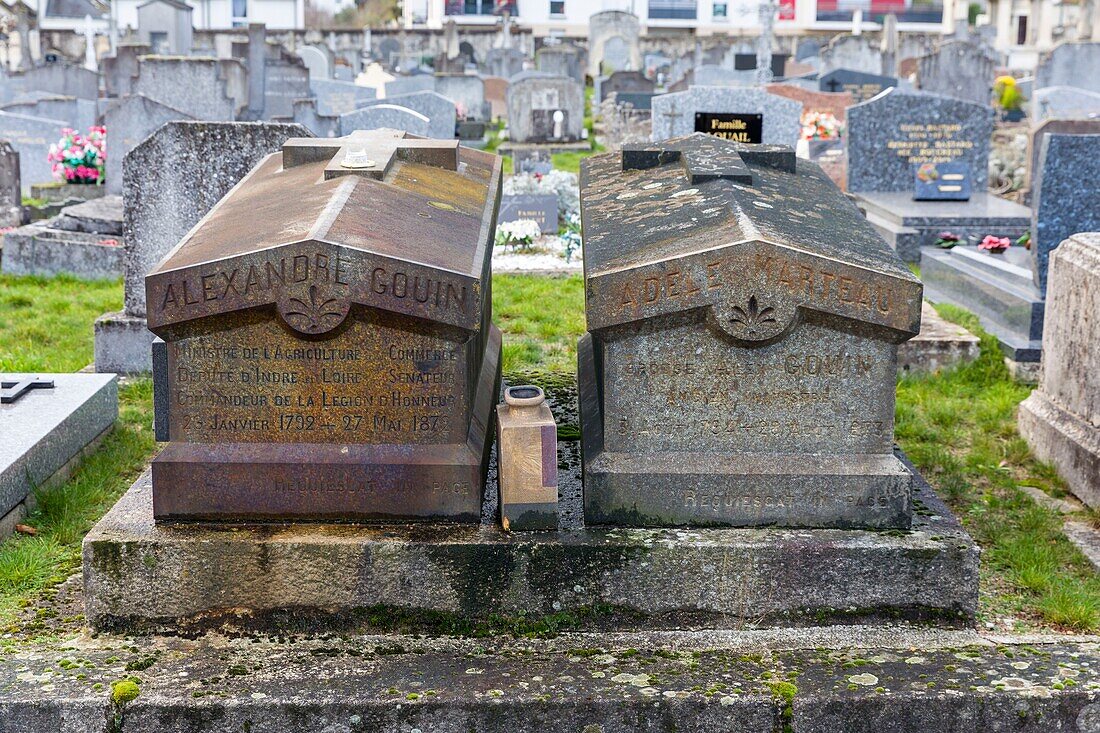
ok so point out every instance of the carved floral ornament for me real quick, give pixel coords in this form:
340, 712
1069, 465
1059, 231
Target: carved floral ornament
752, 318
312, 310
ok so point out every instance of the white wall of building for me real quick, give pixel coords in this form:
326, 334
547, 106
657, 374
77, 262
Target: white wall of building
219, 14
740, 17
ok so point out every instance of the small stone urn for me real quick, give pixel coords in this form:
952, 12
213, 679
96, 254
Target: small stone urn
527, 445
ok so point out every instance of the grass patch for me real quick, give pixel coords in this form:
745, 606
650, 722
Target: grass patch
65, 513
542, 318
46, 323
960, 430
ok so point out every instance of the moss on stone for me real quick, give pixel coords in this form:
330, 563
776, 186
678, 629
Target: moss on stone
124, 691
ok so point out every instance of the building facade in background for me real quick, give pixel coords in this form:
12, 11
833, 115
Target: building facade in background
701, 17
224, 14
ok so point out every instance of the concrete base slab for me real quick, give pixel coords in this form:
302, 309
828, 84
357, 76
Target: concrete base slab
46, 429
22, 510
324, 575
998, 289
40, 249
1065, 440
939, 345
1087, 539
1025, 372
909, 225
847, 679
512, 148
123, 344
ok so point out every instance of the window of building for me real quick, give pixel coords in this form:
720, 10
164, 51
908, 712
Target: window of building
1021, 31
240, 8
672, 9
158, 40
557, 7
476, 7
924, 11
719, 12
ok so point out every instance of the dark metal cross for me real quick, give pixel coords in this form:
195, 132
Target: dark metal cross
12, 391
833, 84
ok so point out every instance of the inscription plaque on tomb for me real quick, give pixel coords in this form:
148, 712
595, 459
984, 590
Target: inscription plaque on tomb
742, 128
941, 182
328, 347
743, 322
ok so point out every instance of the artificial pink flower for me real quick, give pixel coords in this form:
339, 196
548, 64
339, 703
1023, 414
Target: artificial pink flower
995, 244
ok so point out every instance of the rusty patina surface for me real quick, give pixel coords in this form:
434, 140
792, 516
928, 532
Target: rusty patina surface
330, 352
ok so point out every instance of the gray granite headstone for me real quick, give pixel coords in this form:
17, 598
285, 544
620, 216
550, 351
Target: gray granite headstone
317, 61
504, 62
1064, 103
284, 84
61, 79
808, 48
79, 113
1046, 127
674, 114
958, 69
440, 111
337, 97
129, 121
534, 97
1066, 195
191, 85
31, 137
409, 84
257, 57
561, 60
234, 76
45, 429
862, 86
1070, 64
467, 92
163, 202
616, 54
613, 42
719, 76
120, 69
857, 53
384, 115
625, 81
305, 114
896, 130
541, 208
11, 194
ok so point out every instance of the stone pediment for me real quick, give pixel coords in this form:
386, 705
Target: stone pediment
376, 219
745, 230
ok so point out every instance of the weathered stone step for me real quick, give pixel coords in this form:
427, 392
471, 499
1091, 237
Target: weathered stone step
98, 216
317, 576
849, 679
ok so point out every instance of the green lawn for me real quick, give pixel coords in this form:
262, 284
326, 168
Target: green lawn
46, 324
542, 318
960, 430
958, 427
